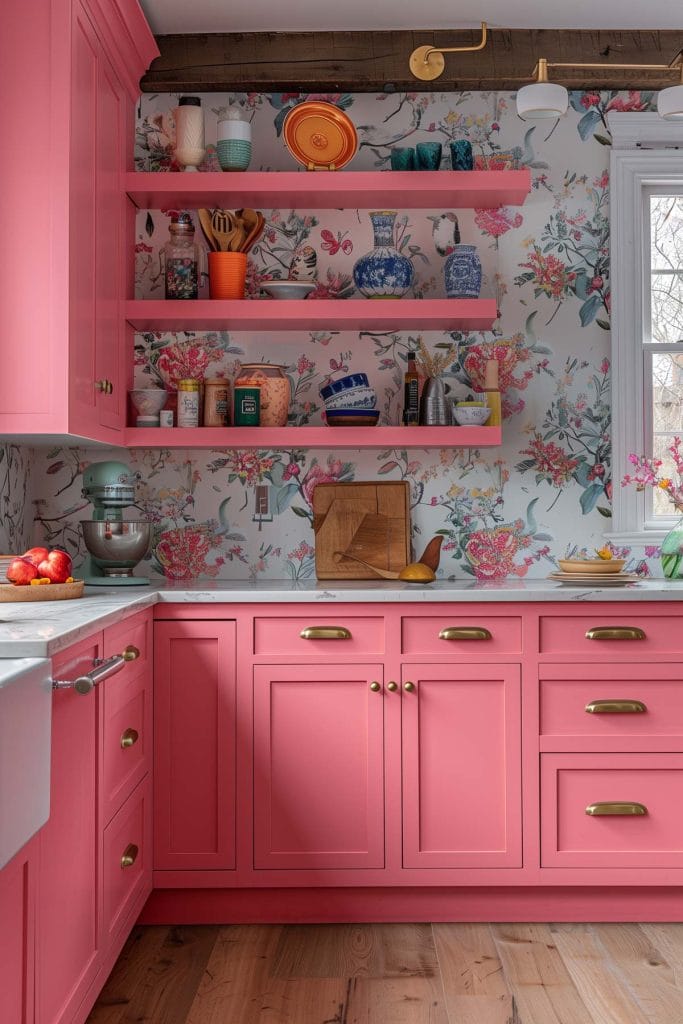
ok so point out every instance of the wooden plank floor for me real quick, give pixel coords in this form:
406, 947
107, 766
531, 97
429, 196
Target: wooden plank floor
398, 974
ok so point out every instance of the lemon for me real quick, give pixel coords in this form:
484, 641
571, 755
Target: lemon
417, 572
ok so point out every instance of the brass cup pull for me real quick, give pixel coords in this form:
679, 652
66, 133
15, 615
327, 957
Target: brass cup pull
105, 387
131, 653
392, 687
615, 633
615, 707
130, 855
464, 633
325, 633
626, 808
129, 738
409, 687
375, 687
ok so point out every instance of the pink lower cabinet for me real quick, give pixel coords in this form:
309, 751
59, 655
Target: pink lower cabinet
68, 891
127, 859
17, 913
318, 766
462, 767
194, 744
612, 810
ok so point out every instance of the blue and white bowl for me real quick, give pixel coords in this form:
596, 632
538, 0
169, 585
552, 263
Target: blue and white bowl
354, 398
337, 387
352, 417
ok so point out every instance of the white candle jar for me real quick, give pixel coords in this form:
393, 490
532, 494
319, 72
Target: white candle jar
189, 132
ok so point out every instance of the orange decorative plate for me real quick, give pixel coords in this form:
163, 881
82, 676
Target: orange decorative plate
320, 135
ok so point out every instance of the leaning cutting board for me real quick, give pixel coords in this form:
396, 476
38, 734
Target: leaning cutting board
368, 520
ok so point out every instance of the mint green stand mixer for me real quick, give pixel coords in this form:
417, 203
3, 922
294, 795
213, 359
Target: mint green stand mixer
115, 545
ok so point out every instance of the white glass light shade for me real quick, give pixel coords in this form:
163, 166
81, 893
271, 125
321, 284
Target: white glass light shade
670, 103
542, 100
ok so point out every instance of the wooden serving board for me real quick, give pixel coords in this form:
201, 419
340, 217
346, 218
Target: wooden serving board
368, 520
46, 592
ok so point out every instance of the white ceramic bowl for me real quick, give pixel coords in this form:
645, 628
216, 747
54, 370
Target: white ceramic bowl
288, 289
354, 398
149, 401
471, 415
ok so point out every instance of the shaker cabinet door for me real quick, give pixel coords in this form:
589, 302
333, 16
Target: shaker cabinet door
461, 741
318, 766
17, 911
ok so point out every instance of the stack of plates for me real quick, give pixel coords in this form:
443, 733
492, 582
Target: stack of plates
593, 572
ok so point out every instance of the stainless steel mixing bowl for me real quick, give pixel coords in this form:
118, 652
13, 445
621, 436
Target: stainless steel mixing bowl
116, 546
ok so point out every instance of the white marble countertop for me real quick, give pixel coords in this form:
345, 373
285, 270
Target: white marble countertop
41, 630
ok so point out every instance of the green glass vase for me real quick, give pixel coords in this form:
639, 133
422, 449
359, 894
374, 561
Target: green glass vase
671, 553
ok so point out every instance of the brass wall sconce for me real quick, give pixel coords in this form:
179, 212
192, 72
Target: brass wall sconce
427, 62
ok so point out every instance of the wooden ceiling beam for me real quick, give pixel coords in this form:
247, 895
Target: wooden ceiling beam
378, 61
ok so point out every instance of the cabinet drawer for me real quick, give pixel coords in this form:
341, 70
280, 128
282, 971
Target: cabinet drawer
126, 858
133, 635
612, 707
612, 634
474, 635
331, 636
127, 743
621, 783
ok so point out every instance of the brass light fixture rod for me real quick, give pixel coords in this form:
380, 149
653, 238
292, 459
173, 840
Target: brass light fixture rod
540, 72
427, 62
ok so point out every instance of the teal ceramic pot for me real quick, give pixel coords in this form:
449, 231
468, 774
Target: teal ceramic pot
671, 553
461, 155
462, 273
428, 156
233, 154
402, 158
383, 273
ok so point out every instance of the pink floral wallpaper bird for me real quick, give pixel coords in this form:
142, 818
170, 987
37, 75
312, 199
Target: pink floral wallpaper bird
506, 512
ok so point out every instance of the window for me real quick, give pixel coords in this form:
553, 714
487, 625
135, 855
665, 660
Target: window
647, 313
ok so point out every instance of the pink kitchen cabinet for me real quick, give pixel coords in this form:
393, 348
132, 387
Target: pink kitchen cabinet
194, 744
318, 766
69, 904
462, 766
62, 281
17, 936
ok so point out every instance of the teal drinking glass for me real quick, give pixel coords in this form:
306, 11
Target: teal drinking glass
428, 156
402, 158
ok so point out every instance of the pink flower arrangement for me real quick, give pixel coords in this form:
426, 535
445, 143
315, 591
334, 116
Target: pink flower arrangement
647, 473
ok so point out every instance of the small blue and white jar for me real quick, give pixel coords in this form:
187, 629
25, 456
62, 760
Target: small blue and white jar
462, 273
384, 273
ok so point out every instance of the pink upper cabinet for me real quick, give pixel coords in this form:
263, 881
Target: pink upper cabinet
67, 136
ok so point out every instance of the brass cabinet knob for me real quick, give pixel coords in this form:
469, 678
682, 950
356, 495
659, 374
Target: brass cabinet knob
131, 653
627, 808
375, 687
130, 855
325, 633
105, 387
615, 633
409, 687
129, 738
392, 686
615, 707
464, 633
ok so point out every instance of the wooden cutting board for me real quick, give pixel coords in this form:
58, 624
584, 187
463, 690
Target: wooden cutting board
47, 592
368, 520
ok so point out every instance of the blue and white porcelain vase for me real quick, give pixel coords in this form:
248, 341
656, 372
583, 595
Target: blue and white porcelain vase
383, 273
462, 273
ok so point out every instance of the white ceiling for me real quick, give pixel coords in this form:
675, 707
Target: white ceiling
171, 16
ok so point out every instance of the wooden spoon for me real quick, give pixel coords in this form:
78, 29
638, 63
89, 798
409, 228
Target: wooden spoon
386, 574
255, 232
205, 221
223, 228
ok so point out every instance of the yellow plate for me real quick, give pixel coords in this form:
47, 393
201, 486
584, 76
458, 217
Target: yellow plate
320, 135
593, 566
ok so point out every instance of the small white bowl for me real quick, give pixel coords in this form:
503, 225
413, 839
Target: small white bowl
354, 398
471, 415
149, 401
287, 289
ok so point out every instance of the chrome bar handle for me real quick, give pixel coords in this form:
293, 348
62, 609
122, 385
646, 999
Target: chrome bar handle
87, 682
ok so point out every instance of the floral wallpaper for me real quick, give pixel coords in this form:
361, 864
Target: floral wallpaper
507, 511
15, 497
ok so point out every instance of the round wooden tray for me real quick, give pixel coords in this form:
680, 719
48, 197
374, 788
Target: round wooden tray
45, 592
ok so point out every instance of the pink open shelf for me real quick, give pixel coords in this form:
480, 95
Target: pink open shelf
318, 190
311, 314
313, 437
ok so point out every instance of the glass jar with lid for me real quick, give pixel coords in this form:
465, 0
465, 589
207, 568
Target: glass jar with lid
181, 259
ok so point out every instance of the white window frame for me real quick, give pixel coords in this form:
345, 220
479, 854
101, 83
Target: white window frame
647, 153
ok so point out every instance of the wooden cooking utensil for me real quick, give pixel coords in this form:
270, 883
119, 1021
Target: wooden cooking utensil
255, 233
223, 228
386, 574
238, 239
205, 221
432, 553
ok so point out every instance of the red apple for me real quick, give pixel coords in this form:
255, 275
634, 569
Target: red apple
36, 555
56, 567
20, 572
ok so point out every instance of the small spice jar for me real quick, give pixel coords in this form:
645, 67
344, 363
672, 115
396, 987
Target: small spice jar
188, 403
216, 402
